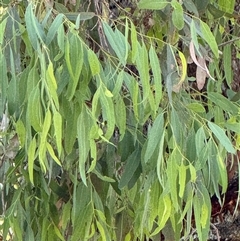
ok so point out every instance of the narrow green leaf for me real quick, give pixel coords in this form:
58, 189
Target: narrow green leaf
93, 152
193, 173
197, 214
60, 37
31, 158
57, 22
164, 212
182, 179
220, 134
21, 132
108, 112
93, 62
34, 110
104, 178
209, 38
154, 4
57, 122
155, 65
84, 124
154, 137
160, 158
227, 64
72, 16
143, 68
223, 102
196, 107
132, 164
118, 83
4, 83
134, 42
43, 141
120, 116
2, 27
117, 41
34, 28
177, 14
70, 130
74, 60
52, 84
194, 35
66, 214
52, 154
101, 230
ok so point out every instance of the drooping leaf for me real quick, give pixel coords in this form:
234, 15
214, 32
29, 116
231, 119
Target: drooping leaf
57, 22
209, 38
93, 62
227, 60
132, 163
177, 14
34, 28
223, 102
220, 134
154, 63
118, 42
74, 60
154, 137
83, 128
31, 158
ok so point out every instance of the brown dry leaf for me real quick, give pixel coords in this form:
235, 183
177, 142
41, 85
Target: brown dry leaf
201, 73
201, 65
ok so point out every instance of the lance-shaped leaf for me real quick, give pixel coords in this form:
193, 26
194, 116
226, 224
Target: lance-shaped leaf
154, 4
34, 28
220, 134
84, 124
74, 60
54, 28
132, 164
177, 14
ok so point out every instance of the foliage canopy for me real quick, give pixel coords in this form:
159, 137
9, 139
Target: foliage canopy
107, 133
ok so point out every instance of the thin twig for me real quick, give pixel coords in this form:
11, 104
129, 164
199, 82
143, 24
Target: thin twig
216, 230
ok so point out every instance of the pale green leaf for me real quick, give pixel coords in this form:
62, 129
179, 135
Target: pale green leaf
52, 84
196, 107
227, 6
74, 60
177, 14
93, 62
227, 64
31, 158
57, 22
154, 4
220, 134
52, 154
223, 102
182, 179
43, 141
57, 122
157, 75
34, 110
108, 112
84, 124
34, 28
209, 38
118, 42
134, 42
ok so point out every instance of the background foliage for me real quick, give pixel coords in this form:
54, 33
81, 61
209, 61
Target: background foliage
116, 119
